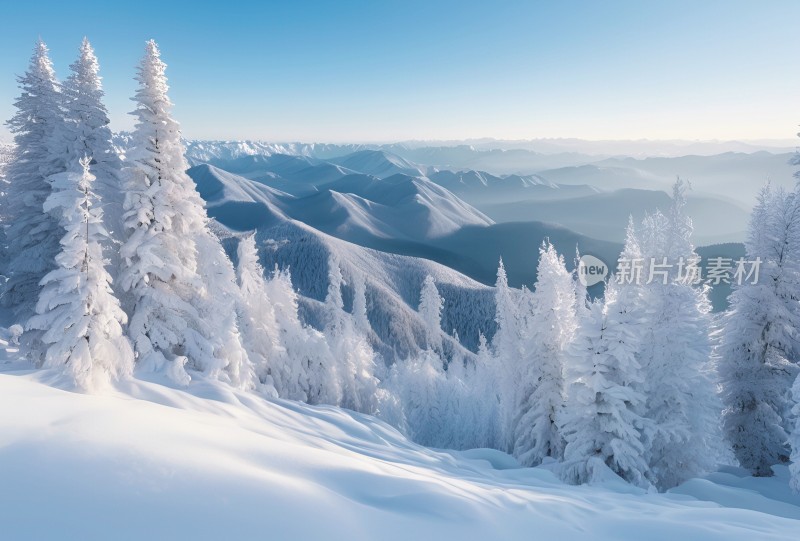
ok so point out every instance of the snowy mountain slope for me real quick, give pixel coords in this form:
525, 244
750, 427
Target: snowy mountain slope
378, 163
393, 284
297, 175
238, 203
303, 175
212, 463
406, 216
353, 207
605, 215
393, 281
415, 201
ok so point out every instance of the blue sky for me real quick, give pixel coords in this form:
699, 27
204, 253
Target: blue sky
385, 70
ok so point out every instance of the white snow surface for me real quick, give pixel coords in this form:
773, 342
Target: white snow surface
147, 461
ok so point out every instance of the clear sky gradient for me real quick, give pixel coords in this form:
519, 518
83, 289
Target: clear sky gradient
385, 70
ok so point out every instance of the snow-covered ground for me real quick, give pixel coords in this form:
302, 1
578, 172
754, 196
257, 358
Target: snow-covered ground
210, 463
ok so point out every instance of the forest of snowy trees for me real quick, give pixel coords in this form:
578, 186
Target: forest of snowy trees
113, 268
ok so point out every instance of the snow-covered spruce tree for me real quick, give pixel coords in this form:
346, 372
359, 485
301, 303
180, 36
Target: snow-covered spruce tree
484, 385
549, 329
217, 305
472, 408
462, 408
257, 320
602, 422
77, 313
420, 385
456, 408
86, 132
307, 370
507, 347
676, 356
31, 233
181, 286
758, 336
430, 311
354, 357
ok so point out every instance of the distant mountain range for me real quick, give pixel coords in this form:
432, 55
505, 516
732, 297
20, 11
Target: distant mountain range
594, 199
730, 174
636, 148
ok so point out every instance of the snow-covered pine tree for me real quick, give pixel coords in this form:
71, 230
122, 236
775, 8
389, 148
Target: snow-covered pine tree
217, 306
181, 284
354, 357
602, 421
257, 320
77, 313
31, 233
676, 357
430, 311
307, 370
419, 383
759, 334
549, 329
86, 132
484, 385
507, 347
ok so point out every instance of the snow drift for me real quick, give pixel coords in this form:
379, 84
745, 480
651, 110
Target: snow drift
212, 463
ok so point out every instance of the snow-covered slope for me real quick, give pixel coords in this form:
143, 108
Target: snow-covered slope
393, 287
413, 207
379, 163
393, 280
297, 175
353, 207
211, 463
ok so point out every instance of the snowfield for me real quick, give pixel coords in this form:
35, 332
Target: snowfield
211, 463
